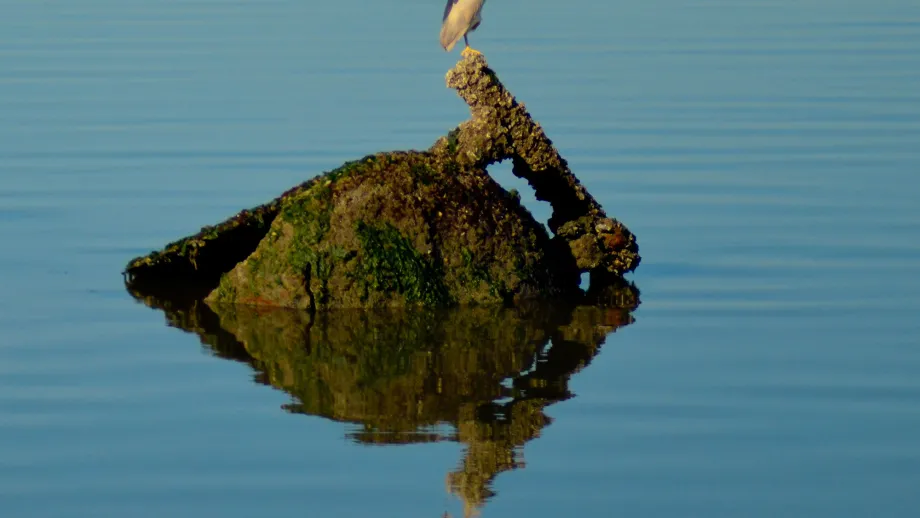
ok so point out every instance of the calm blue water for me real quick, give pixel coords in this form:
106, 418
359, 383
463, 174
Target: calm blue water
766, 154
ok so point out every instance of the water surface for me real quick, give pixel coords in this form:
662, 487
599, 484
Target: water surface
765, 154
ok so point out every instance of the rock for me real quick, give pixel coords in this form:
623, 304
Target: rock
411, 228
398, 229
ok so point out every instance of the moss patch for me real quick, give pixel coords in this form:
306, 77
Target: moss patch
391, 264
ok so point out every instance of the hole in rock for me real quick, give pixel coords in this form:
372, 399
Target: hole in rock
541, 210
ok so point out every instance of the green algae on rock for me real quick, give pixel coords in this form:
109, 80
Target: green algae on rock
411, 227
194, 265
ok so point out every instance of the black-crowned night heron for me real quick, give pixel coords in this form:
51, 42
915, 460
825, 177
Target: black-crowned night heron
460, 18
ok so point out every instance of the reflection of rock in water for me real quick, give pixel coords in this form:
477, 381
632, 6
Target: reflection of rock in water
400, 376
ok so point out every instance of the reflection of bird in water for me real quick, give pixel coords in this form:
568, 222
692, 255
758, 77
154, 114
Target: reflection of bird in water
460, 17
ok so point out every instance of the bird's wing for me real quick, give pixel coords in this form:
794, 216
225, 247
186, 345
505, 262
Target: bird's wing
448, 7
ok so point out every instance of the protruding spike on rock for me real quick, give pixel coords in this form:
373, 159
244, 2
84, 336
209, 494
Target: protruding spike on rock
502, 129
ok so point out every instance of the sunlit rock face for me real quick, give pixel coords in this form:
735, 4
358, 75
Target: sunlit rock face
399, 229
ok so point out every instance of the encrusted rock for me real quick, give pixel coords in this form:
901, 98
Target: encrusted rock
418, 227
502, 129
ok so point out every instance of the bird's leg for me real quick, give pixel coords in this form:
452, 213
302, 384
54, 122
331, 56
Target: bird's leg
468, 49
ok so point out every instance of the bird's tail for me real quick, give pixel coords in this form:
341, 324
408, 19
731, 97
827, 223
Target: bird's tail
450, 36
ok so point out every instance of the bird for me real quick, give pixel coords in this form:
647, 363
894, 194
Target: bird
460, 17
